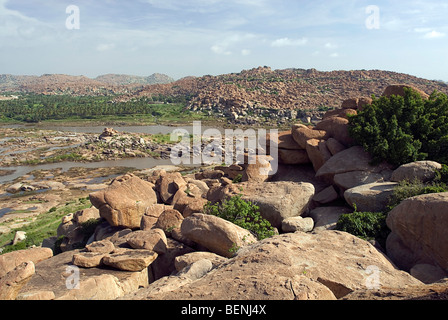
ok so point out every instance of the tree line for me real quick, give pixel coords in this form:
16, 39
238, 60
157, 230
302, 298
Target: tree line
35, 108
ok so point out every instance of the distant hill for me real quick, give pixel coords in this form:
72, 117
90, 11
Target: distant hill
77, 85
123, 79
260, 88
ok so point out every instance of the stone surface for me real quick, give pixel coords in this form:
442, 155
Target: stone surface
327, 195
326, 218
124, 202
302, 134
152, 214
9, 261
168, 184
293, 156
418, 235
55, 278
292, 266
371, 197
13, 281
169, 219
154, 240
337, 128
190, 258
294, 224
398, 90
423, 171
348, 180
218, 235
279, 200
130, 259
317, 153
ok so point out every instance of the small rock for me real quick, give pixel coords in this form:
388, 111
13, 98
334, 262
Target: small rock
294, 224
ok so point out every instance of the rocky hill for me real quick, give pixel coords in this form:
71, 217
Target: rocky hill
250, 94
124, 79
54, 84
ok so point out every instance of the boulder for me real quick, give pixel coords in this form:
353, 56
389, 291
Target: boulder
326, 218
103, 246
151, 215
337, 128
88, 259
418, 226
351, 103
9, 261
257, 169
398, 90
348, 180
341, 113
317, 152
124, 202
296, 157
327, 195
154, 240
14, 280
428, 273
188, 259
218, 235
57, 278
296, 266
294, 224
351, 159
301, 134
169, 219
130, 259
371, 197
334, 146
285, 141
423, 171
164, 265
85, 215
168, 184
279, 200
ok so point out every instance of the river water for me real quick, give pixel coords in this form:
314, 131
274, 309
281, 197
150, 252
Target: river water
138, 163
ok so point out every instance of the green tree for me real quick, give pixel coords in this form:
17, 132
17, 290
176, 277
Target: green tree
400, 129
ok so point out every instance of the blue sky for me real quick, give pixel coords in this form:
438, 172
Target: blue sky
198, 37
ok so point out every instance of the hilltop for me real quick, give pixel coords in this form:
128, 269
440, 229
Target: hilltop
56, 84
244, 93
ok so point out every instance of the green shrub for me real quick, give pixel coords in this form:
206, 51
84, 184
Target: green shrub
408, 189
365, 225
442, 174
242, 213
405, 129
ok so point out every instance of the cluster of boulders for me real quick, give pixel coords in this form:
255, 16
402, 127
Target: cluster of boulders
154, 240
112, 145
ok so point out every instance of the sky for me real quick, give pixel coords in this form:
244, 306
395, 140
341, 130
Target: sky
199, 37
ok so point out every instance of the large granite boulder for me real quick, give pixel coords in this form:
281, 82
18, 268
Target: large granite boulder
124, 202
418, 226
296, 266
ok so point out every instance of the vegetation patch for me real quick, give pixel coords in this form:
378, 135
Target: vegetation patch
401, 130
242, 213
43, 226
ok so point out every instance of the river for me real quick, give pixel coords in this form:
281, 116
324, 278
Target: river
138, 163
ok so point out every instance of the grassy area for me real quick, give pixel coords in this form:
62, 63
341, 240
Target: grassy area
43, 226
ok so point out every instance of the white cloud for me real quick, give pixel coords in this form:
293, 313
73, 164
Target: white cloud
334, 55
245, 52
219, 49
434, 35
287, 42
330, 45
105, 46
